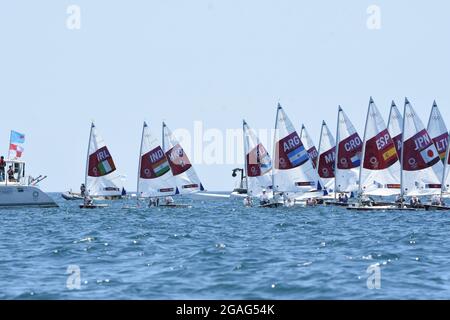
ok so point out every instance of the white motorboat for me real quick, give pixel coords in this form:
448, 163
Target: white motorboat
19, 190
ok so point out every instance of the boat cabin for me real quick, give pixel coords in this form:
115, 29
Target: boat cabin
12, 172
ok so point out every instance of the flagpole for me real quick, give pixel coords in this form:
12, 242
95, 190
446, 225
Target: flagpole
9, 147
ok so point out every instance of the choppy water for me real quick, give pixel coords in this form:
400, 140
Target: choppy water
220, 250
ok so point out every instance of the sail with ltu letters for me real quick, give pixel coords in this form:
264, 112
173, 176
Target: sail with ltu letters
348, 155
380, 172
327, 157
293, 169
258, 164
102, 179
186, 179
309, 145
155, 178
422, 168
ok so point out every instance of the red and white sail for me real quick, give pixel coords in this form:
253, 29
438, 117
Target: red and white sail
258, 164
102, 179
155, 178
327, 157
186, 178
422, 168
380, 173
348, 155
293, 169
309, 146
395, 127
438, 131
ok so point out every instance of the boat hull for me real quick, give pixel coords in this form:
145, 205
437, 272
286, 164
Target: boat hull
24, 196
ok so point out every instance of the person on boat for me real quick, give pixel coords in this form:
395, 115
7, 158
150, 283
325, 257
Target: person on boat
2, 168
264, 198
88, 201
154, 202
415, 202
437, 201
340, 199
248, 202
312, 202
83, 190
11, 174
345, 198
399, 199
169, 201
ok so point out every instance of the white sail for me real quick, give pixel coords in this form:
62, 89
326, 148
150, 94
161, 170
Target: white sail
186, 178
438, 131
395, 127
327, 157
309, 146
348, 155
155, 178
102, 179
380, 173
258, 164
420, 158
293, 170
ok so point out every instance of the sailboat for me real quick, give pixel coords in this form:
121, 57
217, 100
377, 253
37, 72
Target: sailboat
258, 164
101, 180
327, 158
348, 155
380, 170
445, 190
422, 168
395, 127
185, 177
155, 179
309, 145
293, 173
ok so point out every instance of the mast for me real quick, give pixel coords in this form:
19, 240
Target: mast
444, 172
245, 152
390, 114
364, 148
163, 141
338, 138
275, 153
140, 158
87, 157
402, 193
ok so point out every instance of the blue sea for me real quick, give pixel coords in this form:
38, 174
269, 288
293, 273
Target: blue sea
217, 249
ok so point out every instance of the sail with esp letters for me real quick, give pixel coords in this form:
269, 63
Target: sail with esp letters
422, 167
101, 179
258, 164
380, 172
186, 179
395, 127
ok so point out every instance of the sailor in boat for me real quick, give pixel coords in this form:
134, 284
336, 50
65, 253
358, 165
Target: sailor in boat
311, 202
88, 201
83, 190
264, 198
2, 168
154, 202
437, 201
248, 202
399, 199
415, 202
169, 201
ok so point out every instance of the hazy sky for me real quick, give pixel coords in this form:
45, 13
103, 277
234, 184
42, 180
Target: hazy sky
215, 61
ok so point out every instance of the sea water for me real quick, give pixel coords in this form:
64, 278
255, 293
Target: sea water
217, 249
